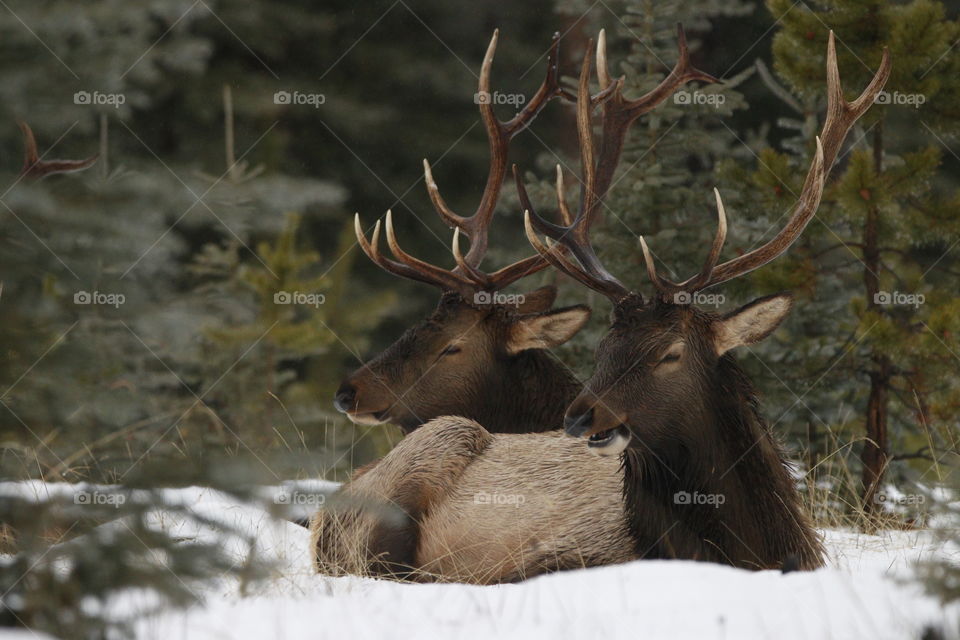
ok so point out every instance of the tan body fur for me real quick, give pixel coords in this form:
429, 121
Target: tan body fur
466, 505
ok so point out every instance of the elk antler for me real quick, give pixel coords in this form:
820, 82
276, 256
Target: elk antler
840, 117
34, 168
618, 114
466, 277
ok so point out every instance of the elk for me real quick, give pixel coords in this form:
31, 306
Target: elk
476, 346
704, 477
433, 509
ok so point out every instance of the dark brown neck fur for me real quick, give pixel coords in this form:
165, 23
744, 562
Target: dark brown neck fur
760, 524
530, 394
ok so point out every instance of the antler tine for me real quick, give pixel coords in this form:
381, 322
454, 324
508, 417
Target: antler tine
30, 155
564, 210
34, 168
840, 118
651, 267
499, 134
585, 136
550, 88
372, 251
683, 72
479, 277
438, 277
665, 287
436, 274
603, 73
565, 214
721, 236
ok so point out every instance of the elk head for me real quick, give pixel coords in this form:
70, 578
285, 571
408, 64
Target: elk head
663, 371
479, 354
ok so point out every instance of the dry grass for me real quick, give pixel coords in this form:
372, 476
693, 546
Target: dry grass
831, 490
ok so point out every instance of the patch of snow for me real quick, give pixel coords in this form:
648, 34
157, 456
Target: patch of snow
867, 590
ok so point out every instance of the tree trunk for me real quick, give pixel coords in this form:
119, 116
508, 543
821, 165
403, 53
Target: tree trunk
875, 449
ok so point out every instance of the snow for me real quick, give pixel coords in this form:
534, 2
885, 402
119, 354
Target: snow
867, 590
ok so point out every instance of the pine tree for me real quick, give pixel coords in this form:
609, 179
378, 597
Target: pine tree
114, 337
873, 337
119, 378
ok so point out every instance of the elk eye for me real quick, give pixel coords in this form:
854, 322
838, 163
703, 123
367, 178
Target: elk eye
451, 349
673, 355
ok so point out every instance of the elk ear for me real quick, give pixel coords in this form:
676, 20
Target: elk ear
538, 301
752, 322
545, 330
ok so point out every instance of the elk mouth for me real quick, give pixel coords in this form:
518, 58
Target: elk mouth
609, 442
368, 418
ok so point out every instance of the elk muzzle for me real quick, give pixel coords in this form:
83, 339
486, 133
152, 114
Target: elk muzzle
606, 432
348, 400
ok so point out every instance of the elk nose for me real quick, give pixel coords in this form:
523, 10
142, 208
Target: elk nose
345, 397
578, 425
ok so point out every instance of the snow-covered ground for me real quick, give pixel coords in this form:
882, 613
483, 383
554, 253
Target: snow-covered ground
867, 591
